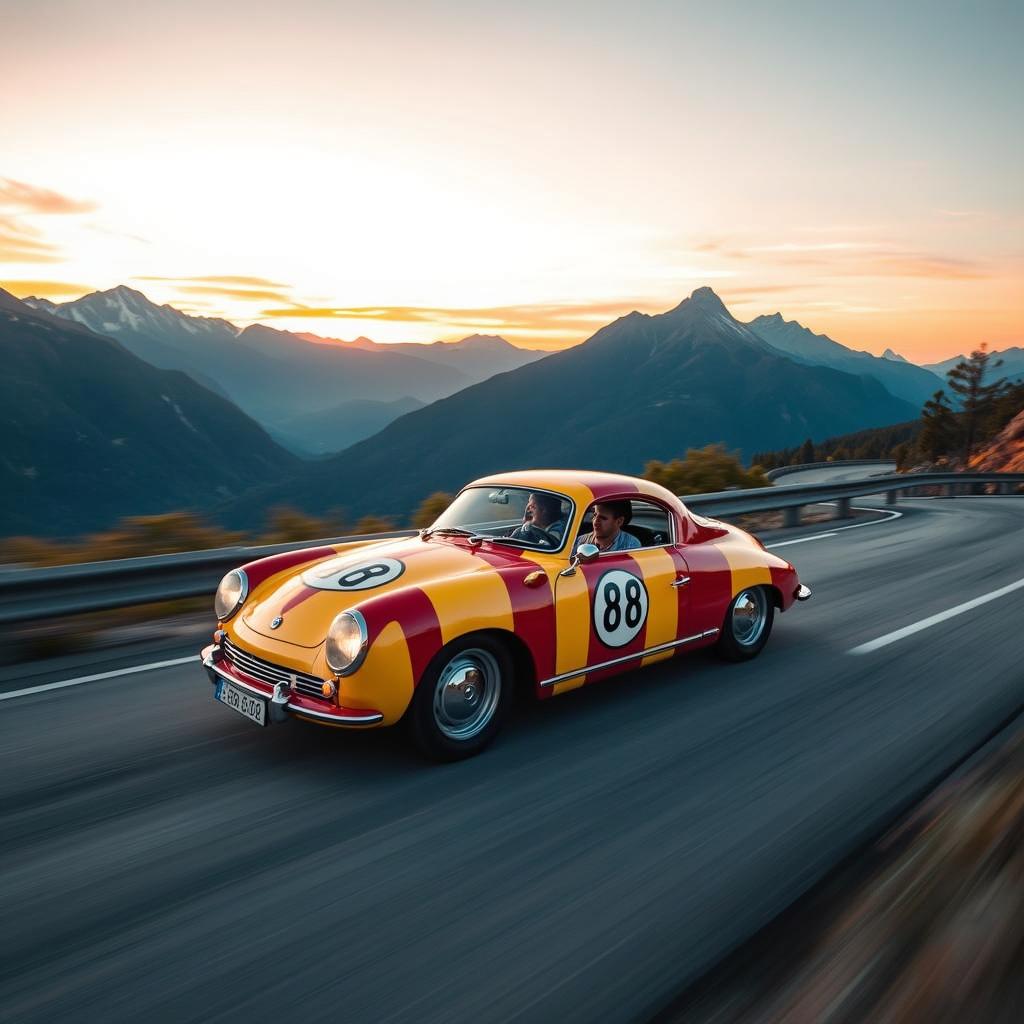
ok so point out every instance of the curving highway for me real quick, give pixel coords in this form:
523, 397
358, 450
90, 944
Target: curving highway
162, 859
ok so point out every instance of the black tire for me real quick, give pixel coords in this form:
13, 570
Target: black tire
454, 715
747, 625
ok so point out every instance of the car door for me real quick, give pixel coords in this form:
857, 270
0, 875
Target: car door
624, 603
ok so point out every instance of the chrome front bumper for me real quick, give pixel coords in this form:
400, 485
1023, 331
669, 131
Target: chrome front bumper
282, 702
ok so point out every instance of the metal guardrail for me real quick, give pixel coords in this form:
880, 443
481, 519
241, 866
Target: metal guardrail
33, 594
774, 474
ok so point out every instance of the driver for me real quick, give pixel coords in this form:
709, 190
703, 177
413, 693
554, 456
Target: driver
542, 520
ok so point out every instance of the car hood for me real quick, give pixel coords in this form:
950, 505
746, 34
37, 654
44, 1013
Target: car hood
299, 607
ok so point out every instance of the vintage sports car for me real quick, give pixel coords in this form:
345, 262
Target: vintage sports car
543, 580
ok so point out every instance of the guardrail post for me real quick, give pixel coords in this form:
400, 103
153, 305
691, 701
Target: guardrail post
791, 516
843, 508
950, 490
893, 498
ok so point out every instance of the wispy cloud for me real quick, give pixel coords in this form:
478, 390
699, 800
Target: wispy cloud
20, 243
845, 258
228, 279
548, 317
100, 230
46, 289
227, 292
19, 195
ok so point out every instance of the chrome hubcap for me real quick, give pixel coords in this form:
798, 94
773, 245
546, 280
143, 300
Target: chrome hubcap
749, 614
467, 694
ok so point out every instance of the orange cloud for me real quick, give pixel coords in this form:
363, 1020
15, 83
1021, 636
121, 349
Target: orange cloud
22, 244
18, 195
46, 289
224, 291
550, 317
870, 259
213, 279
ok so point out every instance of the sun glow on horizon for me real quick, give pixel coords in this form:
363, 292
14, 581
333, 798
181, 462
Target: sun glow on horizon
441, 174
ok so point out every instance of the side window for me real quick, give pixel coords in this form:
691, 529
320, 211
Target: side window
650, 524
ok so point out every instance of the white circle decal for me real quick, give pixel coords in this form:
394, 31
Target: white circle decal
355, 577
620, 607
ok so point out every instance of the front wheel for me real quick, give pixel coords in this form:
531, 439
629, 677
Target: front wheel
747, 625
461, 700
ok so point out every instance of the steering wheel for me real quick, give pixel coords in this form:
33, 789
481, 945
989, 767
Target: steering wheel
537, 534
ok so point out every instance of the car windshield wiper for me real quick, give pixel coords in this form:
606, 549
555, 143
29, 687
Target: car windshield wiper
449, 531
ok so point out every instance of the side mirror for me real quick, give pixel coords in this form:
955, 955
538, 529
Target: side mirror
585, 554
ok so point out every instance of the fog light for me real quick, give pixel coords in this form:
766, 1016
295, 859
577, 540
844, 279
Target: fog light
218, 636
328, 689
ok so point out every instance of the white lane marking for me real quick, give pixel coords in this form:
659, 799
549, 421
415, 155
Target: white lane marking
934, 620
799, 540
10, 695
888, 512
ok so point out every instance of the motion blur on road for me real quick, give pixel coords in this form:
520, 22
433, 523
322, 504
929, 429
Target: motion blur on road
161, 858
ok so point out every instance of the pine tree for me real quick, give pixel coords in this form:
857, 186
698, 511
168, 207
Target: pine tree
978, 399
806, 452
939, 433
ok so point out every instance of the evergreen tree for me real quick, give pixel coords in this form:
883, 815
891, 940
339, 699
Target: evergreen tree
806, 452
978, 399
940, 430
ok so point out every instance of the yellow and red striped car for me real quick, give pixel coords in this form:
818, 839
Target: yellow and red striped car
440, 628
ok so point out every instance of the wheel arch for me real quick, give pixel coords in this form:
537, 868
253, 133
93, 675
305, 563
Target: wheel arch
524, 669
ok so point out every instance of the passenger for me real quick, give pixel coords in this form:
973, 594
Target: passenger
607, 519
542, 520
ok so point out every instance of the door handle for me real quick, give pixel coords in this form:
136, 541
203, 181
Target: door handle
681, 582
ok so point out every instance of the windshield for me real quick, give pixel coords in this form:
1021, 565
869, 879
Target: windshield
525, 518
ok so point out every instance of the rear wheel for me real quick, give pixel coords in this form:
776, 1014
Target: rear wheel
747, 625
460, 702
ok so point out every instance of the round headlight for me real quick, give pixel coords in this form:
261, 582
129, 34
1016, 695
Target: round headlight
231, 594
346, 643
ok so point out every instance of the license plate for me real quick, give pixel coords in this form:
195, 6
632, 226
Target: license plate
238, 700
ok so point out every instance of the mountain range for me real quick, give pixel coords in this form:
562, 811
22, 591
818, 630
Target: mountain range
96, 431
93, 433
904, 380
1012, 368
311, 393
644, 387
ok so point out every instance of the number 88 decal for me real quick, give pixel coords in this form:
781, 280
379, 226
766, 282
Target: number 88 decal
620, 607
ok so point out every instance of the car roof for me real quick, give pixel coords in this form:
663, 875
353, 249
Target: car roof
584, 486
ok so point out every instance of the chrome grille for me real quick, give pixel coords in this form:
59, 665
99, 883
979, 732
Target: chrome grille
268, 672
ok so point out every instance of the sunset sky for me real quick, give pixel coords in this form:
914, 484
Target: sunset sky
415, 171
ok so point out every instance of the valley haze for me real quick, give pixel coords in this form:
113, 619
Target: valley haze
420, 418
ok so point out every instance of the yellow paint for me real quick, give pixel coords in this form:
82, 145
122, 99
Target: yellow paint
568, 684
747, 564
572, 623
384, 680
660, 656
659, 571
471, 602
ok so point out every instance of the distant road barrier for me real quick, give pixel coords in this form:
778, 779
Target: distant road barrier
774, 474
33, 594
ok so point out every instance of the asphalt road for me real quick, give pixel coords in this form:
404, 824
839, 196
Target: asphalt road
161, 859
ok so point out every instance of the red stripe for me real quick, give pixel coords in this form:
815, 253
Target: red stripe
597, 651
533, 610
411, 608
786, 581
710, 588
304, 593
264, 568
616, 486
